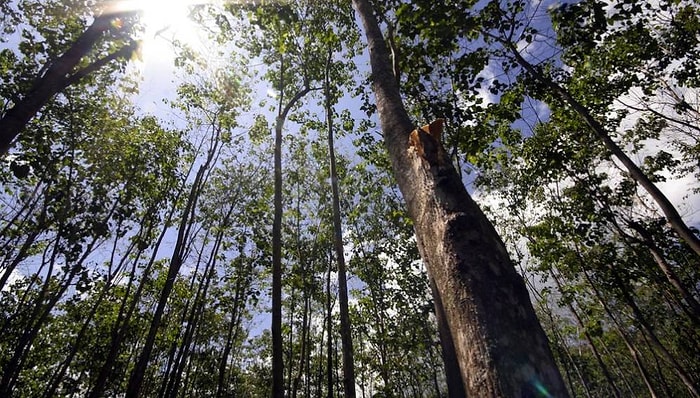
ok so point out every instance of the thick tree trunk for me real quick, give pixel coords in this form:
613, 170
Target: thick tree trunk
501, 348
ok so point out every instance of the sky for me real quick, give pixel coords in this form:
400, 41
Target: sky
166, 21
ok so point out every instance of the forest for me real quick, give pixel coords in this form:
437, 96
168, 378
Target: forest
237, 199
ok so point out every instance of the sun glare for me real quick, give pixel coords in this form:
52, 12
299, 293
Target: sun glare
162, 15
165, 21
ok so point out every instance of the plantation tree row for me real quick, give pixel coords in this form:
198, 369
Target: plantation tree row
263, 235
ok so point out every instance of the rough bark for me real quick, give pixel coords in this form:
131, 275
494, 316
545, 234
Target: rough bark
501, 348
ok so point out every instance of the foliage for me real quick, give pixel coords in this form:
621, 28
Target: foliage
95, 191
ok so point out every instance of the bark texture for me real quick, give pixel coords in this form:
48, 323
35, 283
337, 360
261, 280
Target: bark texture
501, 348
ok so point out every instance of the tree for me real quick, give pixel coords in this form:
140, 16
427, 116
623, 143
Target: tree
500, 346
62, 71
330, 96
120, 262
221, 120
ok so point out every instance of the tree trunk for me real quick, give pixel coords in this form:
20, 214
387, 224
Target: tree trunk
276, 326
231, 336
640, 319
133, 389
692, 305
623, 334
329, 341
127, 308
303, 354
345, 331
603, 367
453, 376
501, 348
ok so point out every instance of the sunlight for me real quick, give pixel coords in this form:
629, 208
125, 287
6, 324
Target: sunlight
162, 15
164, 21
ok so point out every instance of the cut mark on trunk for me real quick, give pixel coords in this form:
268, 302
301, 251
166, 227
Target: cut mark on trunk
426, 142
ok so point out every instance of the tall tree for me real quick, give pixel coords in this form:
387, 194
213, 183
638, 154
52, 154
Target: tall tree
499, 343
345, 331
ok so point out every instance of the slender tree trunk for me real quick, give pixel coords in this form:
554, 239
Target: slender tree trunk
303, 354
621, 331
329, 341
562, 349
603, 367
182, 360
345, 330
126, 308
231, 335
692, 306
501, 348
276, 326
667, 208
12, 369
31, 233
177, 353
682, 373
198, 306
30, 230
42, 311
455, 386
137, 374
289, 355
60, 373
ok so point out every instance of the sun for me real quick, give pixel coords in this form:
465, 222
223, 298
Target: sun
163, 22
159, 16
